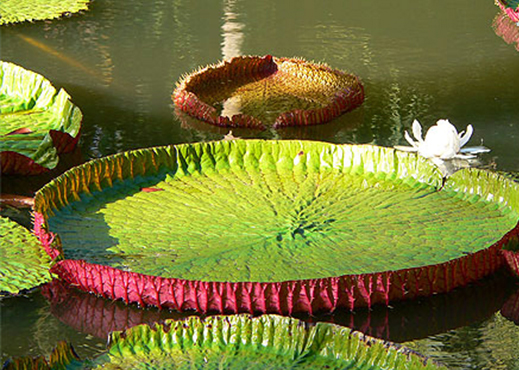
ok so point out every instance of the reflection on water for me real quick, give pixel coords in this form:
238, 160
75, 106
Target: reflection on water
417, 60
231, 106
410, 65
464, 324
231, 31
490, 345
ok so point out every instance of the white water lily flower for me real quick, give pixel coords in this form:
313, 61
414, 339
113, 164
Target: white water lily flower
442, 143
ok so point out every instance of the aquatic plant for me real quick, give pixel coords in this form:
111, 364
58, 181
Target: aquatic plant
37, 122
258, 92
510, 8
442, 143
23, 264
241, 342
273, 226
511, 254
507, 29
403, 321
14, 11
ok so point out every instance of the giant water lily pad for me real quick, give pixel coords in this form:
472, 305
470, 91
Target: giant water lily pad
258, 92
273, 226
37, 122
23, 264
242, 342
14, 11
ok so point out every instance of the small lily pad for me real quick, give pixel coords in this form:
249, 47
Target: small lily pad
258, 92
37, 122
23, 264
273, 226
14, 11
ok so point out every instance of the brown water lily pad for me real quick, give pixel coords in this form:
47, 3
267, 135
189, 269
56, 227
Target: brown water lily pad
258, 92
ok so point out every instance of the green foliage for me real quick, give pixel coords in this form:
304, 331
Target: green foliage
241, 342
14, 11
235, 343
29, 102
269, 211
23, 263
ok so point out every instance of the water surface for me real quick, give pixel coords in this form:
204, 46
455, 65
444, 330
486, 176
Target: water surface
418, 60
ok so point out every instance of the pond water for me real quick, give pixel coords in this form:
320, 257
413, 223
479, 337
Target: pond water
417, 60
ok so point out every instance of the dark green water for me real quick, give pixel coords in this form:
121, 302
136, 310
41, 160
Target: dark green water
418, 60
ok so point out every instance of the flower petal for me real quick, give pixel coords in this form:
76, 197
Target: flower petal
409, 139
465, 136
417, 131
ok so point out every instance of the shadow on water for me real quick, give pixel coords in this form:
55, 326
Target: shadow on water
335, 131
403, 321
83, 229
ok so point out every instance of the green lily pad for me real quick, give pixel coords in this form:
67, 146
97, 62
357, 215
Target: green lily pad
23, 264
241, 342
14, 11
37, 121
281, 211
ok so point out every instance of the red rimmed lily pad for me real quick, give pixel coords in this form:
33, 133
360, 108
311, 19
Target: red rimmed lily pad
37, 122
258, 92
510, 8
511, 254
239, 342
507, 29
273, 226
403, 321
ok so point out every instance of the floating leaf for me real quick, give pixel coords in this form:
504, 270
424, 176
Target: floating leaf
274, 226
14, 11
36, 121
241, 342
238, 342
257, 92
23, 264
